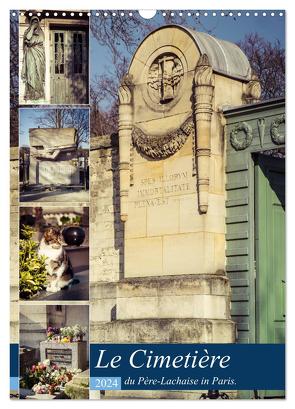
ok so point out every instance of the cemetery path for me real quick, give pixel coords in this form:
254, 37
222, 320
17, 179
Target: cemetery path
56, 196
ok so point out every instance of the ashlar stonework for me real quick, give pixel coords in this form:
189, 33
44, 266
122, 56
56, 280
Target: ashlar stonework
158, 199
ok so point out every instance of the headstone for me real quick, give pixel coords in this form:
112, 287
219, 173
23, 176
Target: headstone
70, 355
53, 156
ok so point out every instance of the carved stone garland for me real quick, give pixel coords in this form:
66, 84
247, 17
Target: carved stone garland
276, 137
162, 146
240, 144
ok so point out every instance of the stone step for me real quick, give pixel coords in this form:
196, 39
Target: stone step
196, 296
173, 330
78, 387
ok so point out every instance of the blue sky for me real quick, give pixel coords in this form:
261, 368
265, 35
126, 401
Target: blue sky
28, 118
227, 28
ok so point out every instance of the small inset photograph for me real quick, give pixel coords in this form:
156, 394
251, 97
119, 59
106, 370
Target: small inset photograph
54, 155
54, 253
53, 57
53, 351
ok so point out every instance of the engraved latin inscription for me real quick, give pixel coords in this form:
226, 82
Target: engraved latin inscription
156, 191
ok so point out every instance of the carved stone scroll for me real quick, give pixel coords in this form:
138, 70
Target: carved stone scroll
125, 128
253, 90
203, 96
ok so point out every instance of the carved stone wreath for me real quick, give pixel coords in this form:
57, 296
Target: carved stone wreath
162, 146
276, 137
240, 144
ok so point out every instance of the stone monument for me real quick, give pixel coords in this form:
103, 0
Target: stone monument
173, 287
53, 157
70, 355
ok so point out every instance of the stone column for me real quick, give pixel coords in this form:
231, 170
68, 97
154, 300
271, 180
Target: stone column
203, 96
125, 128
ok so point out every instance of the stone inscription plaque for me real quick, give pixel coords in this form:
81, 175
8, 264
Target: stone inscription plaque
59, 356
63, 173
156, 191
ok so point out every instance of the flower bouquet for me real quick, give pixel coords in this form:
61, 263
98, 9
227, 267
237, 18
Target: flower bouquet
79, 332
47, 378
73, 333
53, 333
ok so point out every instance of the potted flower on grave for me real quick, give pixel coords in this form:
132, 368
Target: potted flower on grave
79, 332
73, 333
53, 334
67, 334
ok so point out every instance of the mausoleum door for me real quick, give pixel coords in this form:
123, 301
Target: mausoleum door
270, 251
68, 66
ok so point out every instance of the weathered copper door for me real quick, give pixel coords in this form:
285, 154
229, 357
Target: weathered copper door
68, 66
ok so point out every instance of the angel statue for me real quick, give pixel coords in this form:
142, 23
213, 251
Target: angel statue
33, 68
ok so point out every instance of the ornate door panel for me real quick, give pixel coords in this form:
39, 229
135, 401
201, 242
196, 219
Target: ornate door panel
270, 251
68, 67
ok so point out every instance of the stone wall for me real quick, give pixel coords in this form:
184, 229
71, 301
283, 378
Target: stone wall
106, 229
14, 226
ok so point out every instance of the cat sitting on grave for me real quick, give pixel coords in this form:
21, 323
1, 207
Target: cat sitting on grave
59, 269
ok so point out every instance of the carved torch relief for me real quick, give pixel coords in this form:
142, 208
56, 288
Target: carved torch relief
203, 97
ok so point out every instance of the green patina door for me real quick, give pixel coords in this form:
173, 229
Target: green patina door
68, 66
270, 252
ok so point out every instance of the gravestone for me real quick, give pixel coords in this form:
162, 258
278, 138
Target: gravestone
70, 355
53, 156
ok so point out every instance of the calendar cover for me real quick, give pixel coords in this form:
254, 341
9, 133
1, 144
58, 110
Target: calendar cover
147, 154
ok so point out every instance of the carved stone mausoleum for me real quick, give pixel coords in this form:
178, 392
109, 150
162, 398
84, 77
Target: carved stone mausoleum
159, 209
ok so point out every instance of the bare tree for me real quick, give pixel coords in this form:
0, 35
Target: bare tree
268, 62
66, 118
121, 36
